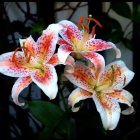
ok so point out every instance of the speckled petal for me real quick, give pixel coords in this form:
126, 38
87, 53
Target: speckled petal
97, 61
70, 31
19, 85
100, 45
28, 43
61, 41
46, 43
54, 60
81, 77
76, 96
122, 75
109, 111
116, 76
122, 96
47, 80
9, 68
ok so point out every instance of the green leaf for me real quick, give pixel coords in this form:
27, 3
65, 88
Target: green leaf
121, 8
136, 14
38, 27
116, 36
56, 121
114, 24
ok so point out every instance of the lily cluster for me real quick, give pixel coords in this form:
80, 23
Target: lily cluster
36, 61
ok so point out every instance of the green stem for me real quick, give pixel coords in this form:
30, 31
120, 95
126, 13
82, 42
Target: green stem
63, 98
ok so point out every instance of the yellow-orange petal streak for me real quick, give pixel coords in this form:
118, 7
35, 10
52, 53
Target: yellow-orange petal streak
81, 77
109, 111
46, 79
46, 43
70, 31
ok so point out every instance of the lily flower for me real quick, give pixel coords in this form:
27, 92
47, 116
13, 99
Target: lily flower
35, 63
79, 40
105, 86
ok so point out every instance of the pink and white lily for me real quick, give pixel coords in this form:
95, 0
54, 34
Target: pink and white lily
35, 63
78, 39
105, 86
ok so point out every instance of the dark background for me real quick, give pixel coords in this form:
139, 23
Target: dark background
18, 123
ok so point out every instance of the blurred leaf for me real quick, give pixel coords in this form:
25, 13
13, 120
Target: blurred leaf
38, 27
54, 119
121, 8
114, 24
127, 43
136, 14
116, 36
18, 26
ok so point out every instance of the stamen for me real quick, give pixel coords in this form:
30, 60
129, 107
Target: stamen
85, 27
96, 21
14, 55
93, 31
28, 59
124, 80
27, 52
79, 22
113, 72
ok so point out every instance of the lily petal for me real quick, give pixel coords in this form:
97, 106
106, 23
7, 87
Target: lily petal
109, 111
122, 75
100, 45
46, 43
116, 76
29, 43
19, 85
70, 31
70, 62
47, 80
54, 60
63, 52
97, 60
62, 42
81, 77
122, 96
9, 68
128, 111
76, 96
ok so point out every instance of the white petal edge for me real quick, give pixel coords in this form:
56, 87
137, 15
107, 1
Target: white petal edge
20, 84
109, 122
77, 95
